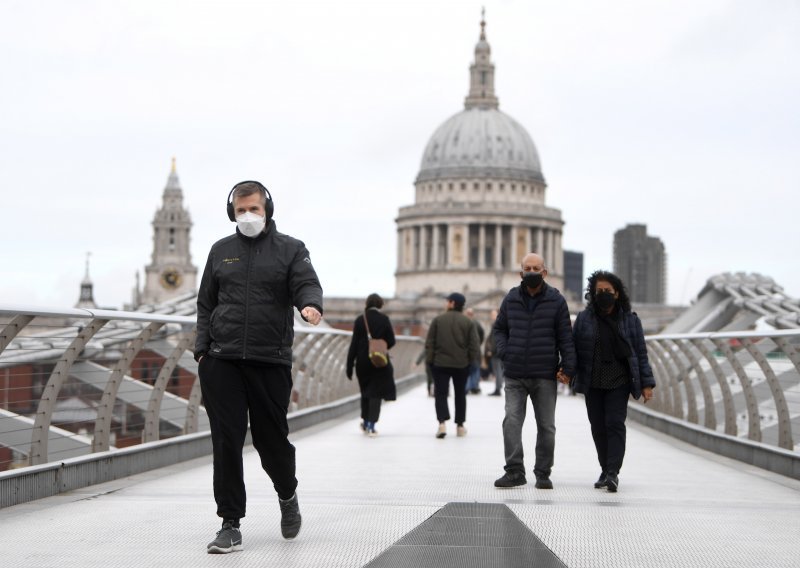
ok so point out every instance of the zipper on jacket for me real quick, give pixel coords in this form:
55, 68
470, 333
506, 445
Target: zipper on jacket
247, 300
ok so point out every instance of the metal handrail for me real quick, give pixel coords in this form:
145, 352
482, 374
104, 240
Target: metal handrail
750, 382
96, 351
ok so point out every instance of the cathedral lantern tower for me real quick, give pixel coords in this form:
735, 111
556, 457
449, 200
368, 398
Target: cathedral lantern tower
170, 272
479, 203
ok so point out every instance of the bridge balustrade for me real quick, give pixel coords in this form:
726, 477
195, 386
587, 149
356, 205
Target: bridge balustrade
75, 381
741, 384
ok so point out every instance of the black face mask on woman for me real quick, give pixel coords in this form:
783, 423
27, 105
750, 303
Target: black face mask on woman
532, 279
605, 300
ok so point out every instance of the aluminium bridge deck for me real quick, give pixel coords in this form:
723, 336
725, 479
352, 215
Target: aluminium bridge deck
677, 506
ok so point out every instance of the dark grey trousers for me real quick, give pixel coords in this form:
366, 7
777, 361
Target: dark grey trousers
542, 393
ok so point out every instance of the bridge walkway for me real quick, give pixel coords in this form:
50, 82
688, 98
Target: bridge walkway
677, 505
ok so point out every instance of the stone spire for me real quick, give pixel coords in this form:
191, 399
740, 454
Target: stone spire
481, 74
170, 272
86, 299
173, 187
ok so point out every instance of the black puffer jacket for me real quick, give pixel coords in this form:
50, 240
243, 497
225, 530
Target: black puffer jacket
630, 328
246, 298
534, 344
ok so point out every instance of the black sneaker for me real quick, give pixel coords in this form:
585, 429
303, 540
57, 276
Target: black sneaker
229, 539
511, 479
612, 482
543, 483
290, 517
601, 481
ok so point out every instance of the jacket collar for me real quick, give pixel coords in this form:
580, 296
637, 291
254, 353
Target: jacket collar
546, 291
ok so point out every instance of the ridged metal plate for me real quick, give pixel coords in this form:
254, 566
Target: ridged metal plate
468, 535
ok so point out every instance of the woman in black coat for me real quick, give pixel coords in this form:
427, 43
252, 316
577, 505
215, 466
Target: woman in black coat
612, 366
376, 384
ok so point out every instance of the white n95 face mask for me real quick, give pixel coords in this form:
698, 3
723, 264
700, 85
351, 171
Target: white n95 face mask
250, 224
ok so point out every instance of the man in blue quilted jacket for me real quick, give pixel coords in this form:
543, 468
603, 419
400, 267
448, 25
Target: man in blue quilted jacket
533, 338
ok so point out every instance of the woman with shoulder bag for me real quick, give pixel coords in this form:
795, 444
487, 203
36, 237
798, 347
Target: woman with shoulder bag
375, 381
612, 366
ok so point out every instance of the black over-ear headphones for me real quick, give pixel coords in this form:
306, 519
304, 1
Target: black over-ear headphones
269, 208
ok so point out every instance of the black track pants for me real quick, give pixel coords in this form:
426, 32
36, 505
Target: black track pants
232, 390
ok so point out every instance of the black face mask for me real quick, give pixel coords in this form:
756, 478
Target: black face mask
605, 300
532, 279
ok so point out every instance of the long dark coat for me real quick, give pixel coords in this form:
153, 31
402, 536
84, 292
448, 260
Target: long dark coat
374, 382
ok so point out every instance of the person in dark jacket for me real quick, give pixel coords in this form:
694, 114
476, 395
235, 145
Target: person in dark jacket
474, 377
612, 366
451, 345
533, 338
490, 351
376, 383
251, 284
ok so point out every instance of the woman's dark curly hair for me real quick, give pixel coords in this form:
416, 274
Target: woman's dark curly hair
374, 301
623, 301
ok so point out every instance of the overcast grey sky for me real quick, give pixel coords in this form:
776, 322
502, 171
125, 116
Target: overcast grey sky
682, 115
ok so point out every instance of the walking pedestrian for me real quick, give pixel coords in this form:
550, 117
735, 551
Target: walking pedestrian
251, 284
612, 366
534, 341
451, 345
375, 383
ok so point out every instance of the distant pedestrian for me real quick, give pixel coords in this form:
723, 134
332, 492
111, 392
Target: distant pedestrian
474, 378
534, 341
451, 345
612, 366
375, 383
495, 363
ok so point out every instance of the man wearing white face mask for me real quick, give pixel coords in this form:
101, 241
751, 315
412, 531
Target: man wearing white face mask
251, 284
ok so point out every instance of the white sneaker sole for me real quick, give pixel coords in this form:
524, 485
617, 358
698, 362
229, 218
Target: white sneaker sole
220, 550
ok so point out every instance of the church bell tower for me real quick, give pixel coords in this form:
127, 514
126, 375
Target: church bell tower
170, 272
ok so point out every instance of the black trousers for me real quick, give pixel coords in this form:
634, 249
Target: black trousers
232, 390
370, 409
607, 410
441, 386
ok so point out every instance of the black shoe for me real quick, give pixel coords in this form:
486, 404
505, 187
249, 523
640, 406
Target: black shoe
612, 482
601, 481
511, 479
543, 483
496, 393
476, 390
290, 517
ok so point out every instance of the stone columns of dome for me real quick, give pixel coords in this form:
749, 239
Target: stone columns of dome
521, 237
482, 246
540, 242
399, 248
415, 248
498, 246
428, 246
435, 258
423, 247
559, 253
406, 238
448, 258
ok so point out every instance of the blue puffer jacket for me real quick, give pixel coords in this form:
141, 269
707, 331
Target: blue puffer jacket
630, 326
535, 344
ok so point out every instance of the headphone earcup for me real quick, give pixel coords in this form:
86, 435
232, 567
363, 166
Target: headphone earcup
231, 216
270, 208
